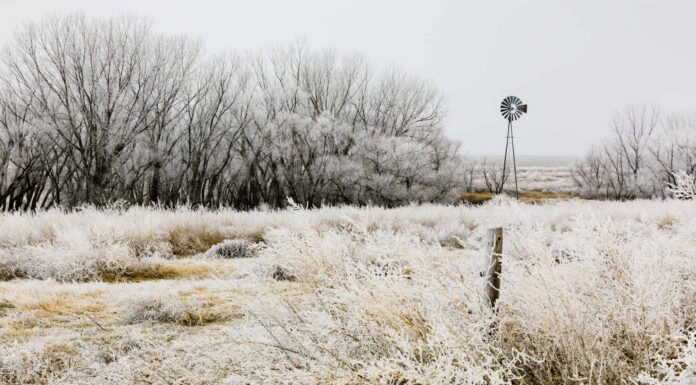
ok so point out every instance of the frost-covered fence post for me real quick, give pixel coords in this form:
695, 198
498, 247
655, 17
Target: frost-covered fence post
495, 264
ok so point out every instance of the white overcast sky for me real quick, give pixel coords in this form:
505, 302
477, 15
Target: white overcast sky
573, 62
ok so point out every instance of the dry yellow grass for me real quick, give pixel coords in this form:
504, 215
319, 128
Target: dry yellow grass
37, 313
58, 303
211, 308
175, 269
187, 240
65, 305
534, 197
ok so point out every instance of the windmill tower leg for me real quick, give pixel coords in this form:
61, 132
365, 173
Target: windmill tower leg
514, 161
507, 143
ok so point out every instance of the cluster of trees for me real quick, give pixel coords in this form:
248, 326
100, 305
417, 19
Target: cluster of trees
102, 110
643, 156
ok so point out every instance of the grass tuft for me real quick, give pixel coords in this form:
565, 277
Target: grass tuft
188, 311
147, 271
188, 240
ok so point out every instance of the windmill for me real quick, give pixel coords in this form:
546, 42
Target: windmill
512, 109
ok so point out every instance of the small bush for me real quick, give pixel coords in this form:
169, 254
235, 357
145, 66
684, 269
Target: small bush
280, 274
169, 309
230, 248
9, 271
4, 306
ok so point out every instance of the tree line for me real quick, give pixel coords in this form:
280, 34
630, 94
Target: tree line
95, 111
644, 155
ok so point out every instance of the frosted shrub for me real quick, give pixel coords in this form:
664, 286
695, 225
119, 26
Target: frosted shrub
171, 309
678, 370
65, 264
230, 248
153, 310
684, 186
281, 274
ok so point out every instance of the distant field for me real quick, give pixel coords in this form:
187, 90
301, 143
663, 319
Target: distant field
545, 178
549, 174
537, 160
592, 292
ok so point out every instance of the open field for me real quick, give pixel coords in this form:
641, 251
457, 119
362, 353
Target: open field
548, 174
546, 179
541, 179
593, 293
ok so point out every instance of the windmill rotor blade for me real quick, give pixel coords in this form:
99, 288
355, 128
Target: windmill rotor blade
512, 113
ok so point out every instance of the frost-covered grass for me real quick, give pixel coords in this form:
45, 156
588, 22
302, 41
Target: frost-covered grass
593, 292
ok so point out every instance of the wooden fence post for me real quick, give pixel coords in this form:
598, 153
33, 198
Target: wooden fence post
495, 264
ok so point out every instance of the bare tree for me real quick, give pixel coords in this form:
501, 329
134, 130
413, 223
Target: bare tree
175, 62
591, 173
620, 168
493, 175
216, 115
90, 89
674, 148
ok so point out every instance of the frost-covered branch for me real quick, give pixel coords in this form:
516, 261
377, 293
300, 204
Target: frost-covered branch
684, 186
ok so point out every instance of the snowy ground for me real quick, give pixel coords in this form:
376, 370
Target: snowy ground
593, 292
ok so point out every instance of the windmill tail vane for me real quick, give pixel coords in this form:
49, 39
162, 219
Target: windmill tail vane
512, 109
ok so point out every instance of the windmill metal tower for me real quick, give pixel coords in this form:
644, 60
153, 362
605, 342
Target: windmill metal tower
512, 109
